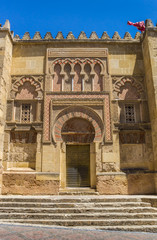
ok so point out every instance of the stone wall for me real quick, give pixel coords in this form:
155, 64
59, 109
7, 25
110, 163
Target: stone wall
150, 63
5, 69
137, 156
29, 184
22, 155
124, 58
121, 183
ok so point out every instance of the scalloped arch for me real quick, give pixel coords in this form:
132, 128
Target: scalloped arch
32, 81
121, 82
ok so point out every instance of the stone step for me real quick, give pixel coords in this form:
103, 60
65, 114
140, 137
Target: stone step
85, 222
132, 228
79, 210
67, 199
78, 191
74, 205
79, 216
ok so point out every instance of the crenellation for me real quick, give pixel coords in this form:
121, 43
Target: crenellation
59, 36
48, 36
127, 36
26, 36
105, 36
93, 36
7, 25
70, 36
116, 36
137, 36
16, 37
82, 36
37, 36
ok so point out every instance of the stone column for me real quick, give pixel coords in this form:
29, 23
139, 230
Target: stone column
149, 45
38, 153
6, 45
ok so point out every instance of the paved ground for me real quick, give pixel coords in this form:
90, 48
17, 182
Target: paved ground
19, 232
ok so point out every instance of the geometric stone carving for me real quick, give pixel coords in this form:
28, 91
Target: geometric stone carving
93, 36
105, 36
26, 36
82, 36
116, 36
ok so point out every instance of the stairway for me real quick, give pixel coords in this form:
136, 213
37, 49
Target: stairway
85, 212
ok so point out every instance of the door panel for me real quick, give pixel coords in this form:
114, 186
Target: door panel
78, 165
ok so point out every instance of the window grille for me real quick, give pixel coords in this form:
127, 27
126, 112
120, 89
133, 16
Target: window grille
129, 113
26, 113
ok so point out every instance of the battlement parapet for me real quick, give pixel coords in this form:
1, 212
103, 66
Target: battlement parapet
82, 37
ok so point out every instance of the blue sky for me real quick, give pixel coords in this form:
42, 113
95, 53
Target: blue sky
76, 16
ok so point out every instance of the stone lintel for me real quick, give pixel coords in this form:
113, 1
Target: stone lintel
79, 52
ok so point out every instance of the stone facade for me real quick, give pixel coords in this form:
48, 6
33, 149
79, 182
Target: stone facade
73, 92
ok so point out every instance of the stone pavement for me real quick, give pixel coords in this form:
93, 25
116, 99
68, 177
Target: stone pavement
23, 232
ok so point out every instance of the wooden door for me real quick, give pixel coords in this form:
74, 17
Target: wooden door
78, 165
